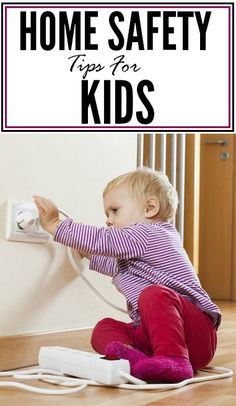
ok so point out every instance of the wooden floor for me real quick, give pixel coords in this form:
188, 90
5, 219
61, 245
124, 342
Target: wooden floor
217, 393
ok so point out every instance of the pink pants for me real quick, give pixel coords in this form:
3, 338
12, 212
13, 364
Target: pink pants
170, 325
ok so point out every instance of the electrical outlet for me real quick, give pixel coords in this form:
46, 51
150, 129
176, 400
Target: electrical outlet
21, 223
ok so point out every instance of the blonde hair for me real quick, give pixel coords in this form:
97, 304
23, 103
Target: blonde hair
144, 183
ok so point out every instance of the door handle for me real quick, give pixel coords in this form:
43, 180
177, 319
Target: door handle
219, 142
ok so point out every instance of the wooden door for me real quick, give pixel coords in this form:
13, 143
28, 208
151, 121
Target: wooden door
216, 230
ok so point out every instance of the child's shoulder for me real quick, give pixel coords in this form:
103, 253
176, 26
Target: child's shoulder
156, 225
160, 224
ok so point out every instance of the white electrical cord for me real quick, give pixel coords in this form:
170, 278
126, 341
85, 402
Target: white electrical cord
78, 270
220, 373
92, 287
39, 374
77, 384
25, 220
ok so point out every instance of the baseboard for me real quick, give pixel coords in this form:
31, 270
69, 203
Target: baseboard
22, 350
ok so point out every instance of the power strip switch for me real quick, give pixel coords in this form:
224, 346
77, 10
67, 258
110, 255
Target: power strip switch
82, 364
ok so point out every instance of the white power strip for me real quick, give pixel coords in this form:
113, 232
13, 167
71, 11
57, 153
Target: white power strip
84, 365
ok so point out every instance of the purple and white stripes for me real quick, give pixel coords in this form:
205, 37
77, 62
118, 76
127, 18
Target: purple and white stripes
136, 257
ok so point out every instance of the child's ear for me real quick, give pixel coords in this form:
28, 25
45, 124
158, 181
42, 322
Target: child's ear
152, 207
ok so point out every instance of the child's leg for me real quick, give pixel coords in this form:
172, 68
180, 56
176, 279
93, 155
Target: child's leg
176, 326
177, 330
108, 330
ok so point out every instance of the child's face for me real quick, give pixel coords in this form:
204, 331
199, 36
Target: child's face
121, 208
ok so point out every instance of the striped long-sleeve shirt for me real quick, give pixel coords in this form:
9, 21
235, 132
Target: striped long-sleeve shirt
138, 256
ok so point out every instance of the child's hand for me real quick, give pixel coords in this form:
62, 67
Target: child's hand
48, 214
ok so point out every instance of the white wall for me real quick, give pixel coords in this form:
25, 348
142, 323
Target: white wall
39, 290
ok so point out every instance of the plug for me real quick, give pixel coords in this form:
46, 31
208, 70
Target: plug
25, 219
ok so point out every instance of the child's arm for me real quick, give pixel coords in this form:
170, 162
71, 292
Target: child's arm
105, 265
122, 243
49, 219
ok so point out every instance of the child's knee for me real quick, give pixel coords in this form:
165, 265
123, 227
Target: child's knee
98, 332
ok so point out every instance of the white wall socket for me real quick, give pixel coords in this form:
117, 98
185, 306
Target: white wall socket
20, 222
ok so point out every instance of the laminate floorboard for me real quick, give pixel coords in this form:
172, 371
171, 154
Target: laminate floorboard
216, 393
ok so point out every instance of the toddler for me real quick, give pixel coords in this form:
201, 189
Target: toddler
173, 325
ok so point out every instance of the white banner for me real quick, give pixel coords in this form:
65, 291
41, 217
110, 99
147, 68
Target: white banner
117, 67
